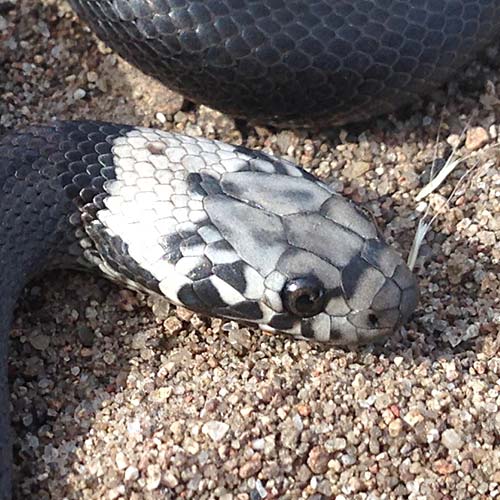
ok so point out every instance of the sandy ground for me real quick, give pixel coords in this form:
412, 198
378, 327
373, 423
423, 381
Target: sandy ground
116, 396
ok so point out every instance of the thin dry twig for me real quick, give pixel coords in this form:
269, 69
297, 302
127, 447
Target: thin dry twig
434, 183
424, 224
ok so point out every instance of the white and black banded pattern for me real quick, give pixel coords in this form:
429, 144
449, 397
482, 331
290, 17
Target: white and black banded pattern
222, 230
217, 228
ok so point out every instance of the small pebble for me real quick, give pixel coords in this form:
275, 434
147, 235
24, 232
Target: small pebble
131, 474
251, 467
40, 342
79, 94
86, 335
318, 460
153, 477
161, 118
356, 169
121, 461
476, 138
215, 430
451, 439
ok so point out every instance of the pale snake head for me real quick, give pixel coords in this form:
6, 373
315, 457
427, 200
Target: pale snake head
239, 234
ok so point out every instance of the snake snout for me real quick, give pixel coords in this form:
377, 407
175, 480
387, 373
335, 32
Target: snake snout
381, 291
395, 302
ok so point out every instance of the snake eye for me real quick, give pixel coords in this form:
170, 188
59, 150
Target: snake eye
304, 296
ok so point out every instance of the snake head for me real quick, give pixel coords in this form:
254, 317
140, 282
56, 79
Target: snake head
337, 281
298, 258
239, 234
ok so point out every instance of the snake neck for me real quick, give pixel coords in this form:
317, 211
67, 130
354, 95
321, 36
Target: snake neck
51, 178
34, 207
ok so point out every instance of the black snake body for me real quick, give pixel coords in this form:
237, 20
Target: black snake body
297, 61
217, 228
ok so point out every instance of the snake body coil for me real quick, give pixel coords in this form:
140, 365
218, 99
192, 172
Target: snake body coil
297, 61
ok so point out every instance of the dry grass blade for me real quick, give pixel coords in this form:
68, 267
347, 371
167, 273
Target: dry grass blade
425, 224
452, 162
435, 182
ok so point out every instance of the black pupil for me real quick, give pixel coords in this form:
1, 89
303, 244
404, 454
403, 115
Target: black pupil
304, 296
306, 301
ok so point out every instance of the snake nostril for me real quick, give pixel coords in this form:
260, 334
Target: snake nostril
372, 318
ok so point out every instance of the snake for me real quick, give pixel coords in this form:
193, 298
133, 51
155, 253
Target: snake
220, 229
217, 228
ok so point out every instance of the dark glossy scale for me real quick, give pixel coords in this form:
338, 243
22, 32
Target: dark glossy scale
297, 61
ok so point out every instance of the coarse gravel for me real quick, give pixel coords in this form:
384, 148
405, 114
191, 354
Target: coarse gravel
119, 396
